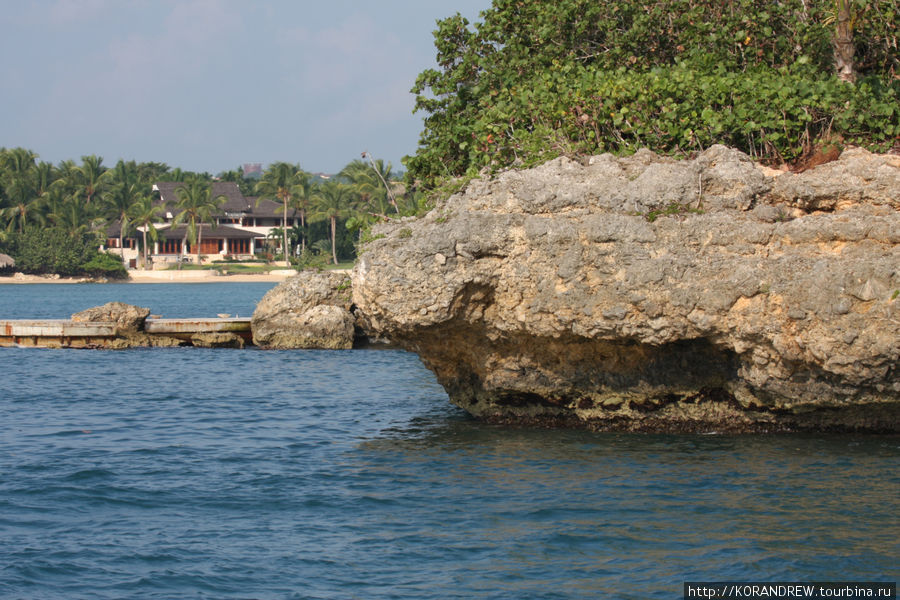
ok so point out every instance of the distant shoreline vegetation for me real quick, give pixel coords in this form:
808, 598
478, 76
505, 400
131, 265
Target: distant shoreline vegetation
779, 81
56, 218
782, 82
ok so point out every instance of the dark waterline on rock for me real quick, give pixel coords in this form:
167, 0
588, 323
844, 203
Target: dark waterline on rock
173, 473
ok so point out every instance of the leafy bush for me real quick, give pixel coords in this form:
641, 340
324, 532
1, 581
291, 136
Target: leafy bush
534, 80
105, 265
51, 250
311, 259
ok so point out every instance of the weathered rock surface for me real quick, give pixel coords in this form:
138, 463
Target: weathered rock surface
598, 295
128, 318
309, 310
217, 340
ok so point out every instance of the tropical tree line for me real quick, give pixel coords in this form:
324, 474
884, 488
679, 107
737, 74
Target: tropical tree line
331, 215
81, 200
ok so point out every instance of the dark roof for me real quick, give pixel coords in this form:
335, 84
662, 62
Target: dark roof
234, 198
263, 207
112, 230
208, 233
235, 202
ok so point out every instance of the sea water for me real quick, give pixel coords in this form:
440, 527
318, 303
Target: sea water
212, 473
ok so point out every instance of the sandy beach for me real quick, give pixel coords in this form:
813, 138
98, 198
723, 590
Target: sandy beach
159, 277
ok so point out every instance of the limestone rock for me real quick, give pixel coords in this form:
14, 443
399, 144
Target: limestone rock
857, 177
309, 310
129, 321
217, 340
644, 293
128, 318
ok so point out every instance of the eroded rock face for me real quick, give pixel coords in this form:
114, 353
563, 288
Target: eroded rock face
217, 340
309, 310
644, 293
128, 318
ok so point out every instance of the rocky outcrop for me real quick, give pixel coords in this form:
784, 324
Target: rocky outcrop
129, 326
128, 318
858, 178
217, 340
644, 293
309, 310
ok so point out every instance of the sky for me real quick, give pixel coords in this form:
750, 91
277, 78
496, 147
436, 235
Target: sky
208, 85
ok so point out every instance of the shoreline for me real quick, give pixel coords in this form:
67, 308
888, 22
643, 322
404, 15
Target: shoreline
139, 277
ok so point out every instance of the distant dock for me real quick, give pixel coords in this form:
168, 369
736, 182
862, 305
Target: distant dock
185, 329
66, 333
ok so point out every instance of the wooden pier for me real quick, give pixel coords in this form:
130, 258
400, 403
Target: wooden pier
66, 333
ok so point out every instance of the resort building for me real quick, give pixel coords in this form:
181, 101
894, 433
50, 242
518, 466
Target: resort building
242, 228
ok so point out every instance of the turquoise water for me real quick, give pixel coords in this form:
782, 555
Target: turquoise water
200, 473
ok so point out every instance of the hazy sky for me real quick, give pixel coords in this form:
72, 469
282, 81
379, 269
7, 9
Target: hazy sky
207, 85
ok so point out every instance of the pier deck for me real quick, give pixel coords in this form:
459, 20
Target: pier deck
65, 333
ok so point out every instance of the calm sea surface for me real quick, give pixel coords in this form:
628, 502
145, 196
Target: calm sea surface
199, 473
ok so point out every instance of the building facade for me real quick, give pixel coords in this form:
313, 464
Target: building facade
242, 229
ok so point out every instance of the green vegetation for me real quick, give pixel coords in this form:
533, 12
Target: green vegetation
196, 205
529, 82
282, 181
535, 80
332, 202
85, 199
672, 209
41, 250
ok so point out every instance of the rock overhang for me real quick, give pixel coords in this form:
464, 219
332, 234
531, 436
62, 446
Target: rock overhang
642, 257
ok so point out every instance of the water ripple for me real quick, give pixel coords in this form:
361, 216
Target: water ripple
168, 473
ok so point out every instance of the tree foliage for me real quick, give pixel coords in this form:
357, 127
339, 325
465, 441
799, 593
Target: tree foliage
40, 250
533, 80
278, 183
332, 202
196, 205
86, 198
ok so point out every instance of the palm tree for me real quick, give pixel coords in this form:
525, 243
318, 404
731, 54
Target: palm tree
302, 193
177, 175
373, 198
69, 214
384, 174
120, 200
90, 177
123, 191
20, 184
144, 214
332, 201
124, 172
277, 183
151, 172
245, 184
844, 19
45, 175
196, 203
